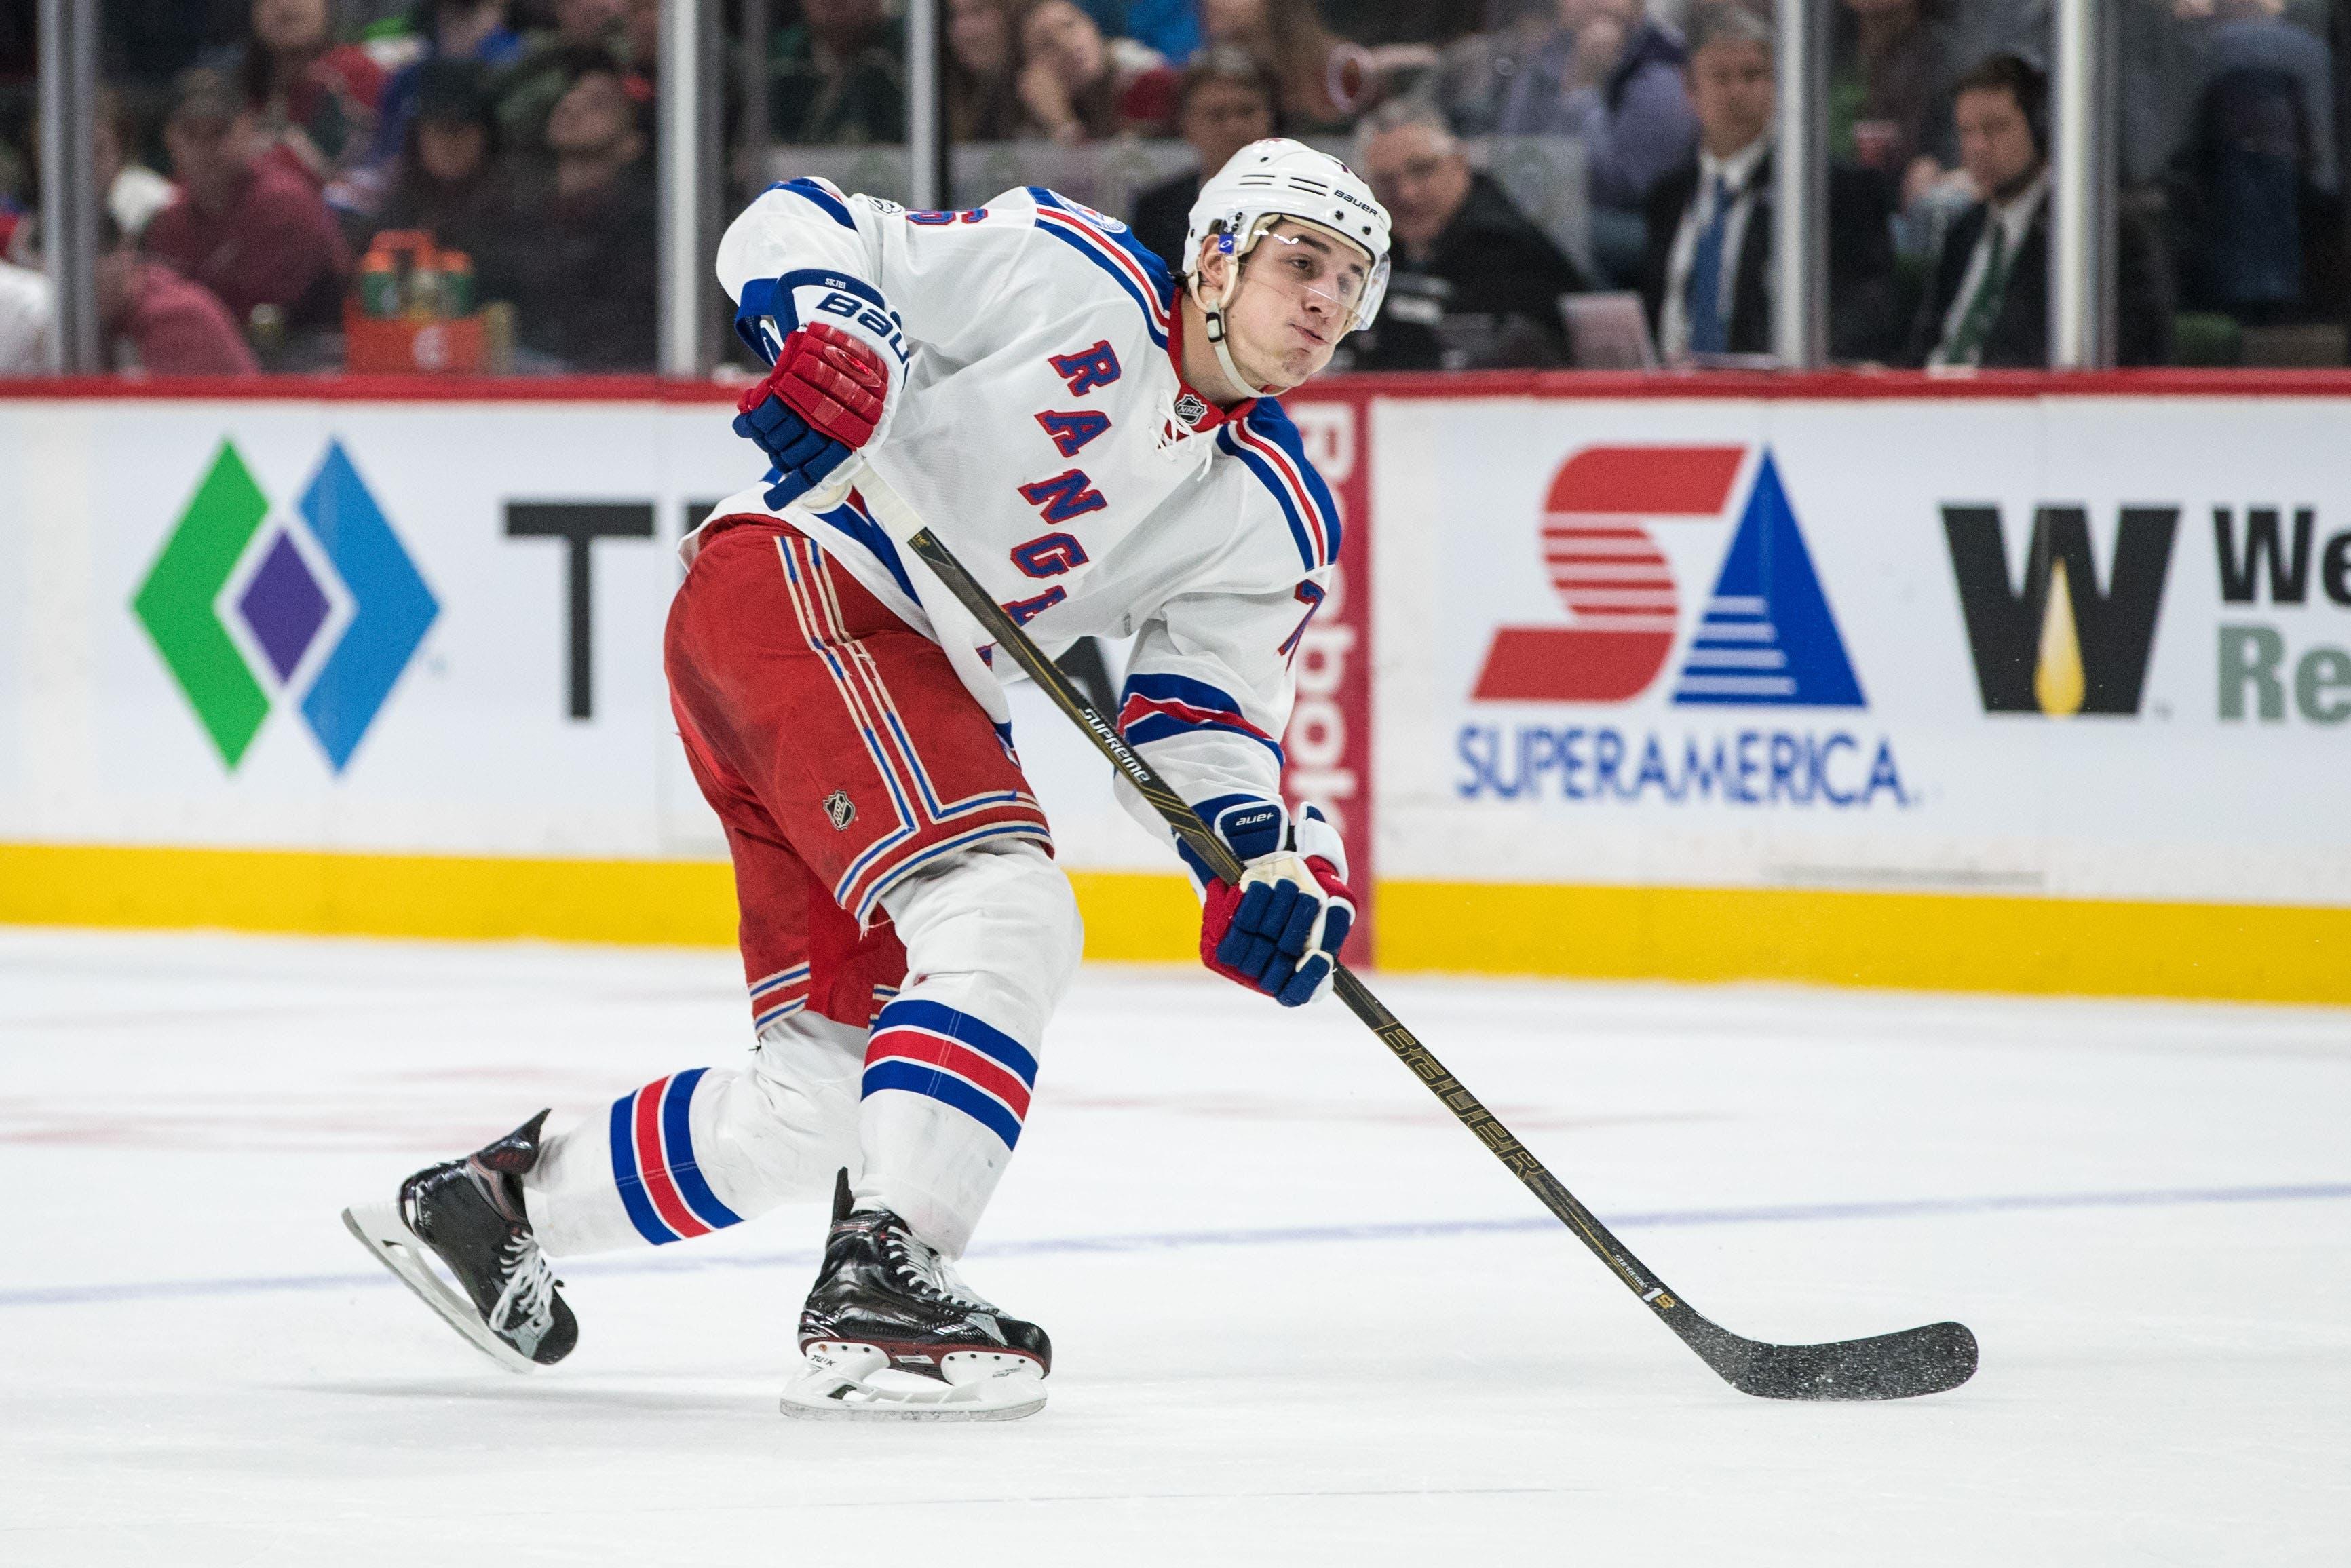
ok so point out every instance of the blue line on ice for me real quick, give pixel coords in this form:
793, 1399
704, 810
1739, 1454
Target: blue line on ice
1400, 1231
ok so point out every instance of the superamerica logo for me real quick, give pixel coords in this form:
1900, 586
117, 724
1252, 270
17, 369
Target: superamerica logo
1763, 638
324, 609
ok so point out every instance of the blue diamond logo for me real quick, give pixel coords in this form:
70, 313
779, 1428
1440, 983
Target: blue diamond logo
392, 608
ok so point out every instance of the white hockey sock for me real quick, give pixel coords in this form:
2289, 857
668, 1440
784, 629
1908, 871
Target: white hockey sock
701, 1150
992, 939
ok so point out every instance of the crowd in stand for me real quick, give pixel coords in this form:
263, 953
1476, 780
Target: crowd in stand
250, 150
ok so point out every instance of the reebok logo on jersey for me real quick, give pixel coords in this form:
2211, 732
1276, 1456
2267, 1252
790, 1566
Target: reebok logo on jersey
334, 608
1766, 635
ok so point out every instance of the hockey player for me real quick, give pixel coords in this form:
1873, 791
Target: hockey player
1099, 444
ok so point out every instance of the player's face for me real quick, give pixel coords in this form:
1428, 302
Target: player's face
1298, 292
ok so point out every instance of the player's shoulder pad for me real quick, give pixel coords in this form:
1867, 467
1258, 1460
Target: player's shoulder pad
1115, 256
1271, 450
818, 193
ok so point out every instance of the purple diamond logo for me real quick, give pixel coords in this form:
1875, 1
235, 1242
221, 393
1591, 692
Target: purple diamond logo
283, 606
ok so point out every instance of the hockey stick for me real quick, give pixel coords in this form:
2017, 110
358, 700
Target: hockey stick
1925, 1360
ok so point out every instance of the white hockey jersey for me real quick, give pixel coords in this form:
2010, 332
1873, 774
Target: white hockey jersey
1038, 423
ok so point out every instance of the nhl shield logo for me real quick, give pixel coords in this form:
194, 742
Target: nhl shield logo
839, 809
1190, 409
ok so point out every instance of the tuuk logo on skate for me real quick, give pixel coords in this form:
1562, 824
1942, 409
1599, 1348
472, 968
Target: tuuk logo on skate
325, 608
840, 810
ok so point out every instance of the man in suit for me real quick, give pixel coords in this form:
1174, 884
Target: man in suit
1476, 283
1226, 101
1708, 278
1988, 300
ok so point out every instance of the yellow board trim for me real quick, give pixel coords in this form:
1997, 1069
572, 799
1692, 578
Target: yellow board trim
1945, 942
1129, 916
1921, 941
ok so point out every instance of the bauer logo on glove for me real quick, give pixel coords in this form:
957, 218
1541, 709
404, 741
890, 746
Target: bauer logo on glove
1280, 930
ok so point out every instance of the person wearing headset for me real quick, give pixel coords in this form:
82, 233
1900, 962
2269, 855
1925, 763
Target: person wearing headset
1987, 303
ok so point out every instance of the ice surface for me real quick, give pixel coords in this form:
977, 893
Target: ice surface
1299, 1315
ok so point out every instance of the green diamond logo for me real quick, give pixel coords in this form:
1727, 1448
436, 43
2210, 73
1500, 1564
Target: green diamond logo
175, 604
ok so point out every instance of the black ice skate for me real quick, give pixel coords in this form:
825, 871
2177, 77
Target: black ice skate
469, 1214
891, 1332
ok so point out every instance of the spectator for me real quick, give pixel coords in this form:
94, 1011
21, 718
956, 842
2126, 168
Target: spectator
246, 226
1474, 283
839, 76
1706, 279
2256, 35
314, 99
1078, 87
1224, 102
153, 319
1987, 302
1170, 26
144, 44
1326, 81
447, 183
1889, 90
452, 29
134, 193
2254, 206
575, 253
983, 71
1475, 74
27, 309
539, 78
1612, 77
640, 50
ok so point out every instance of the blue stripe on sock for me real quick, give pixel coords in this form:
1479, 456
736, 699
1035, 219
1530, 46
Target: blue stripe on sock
649, 1224
678, 1135
940, 1019
916, 1078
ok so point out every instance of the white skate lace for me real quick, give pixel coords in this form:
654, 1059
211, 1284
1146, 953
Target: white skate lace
525, 1310
926, 1270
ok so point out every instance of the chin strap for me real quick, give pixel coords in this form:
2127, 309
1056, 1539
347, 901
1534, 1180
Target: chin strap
1213, 317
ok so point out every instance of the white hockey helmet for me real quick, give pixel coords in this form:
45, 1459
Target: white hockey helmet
1278, 178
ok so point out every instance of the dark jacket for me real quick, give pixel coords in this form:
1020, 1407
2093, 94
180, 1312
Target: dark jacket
861, 104
2019, 336
579, 270
1862, 322
1486, 295
1162, 214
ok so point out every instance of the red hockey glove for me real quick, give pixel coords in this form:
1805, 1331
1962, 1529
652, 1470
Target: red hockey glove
821, 404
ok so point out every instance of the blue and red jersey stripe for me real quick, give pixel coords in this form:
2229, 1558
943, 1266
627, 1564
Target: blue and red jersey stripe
1155, 707
1269, 446
1140, 274
661, 1185
929, 1049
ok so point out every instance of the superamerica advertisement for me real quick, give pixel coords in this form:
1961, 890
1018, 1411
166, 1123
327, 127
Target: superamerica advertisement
2077, 646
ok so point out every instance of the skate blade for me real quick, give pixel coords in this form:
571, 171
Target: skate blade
380, 1229
856, 1382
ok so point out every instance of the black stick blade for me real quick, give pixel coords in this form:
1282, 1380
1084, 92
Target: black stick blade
1903, 1366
